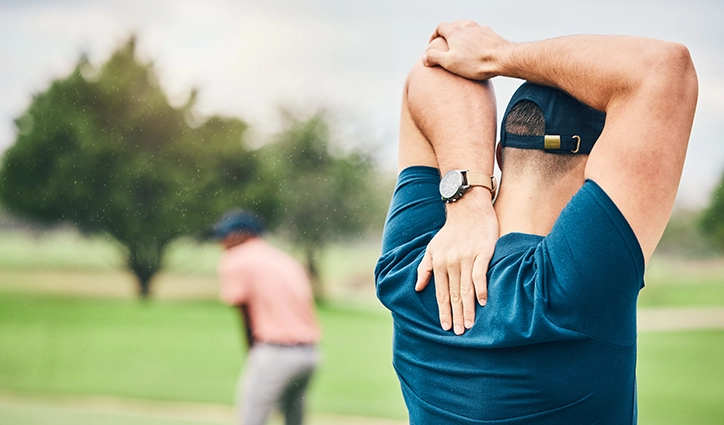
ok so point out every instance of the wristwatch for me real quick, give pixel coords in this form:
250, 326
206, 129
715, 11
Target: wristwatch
456, 182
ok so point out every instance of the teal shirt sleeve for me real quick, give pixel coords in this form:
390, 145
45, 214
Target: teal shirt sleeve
593, 268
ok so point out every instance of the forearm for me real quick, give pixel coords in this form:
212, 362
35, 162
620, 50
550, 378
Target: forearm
458, 118
454, 115
450, 122
602, 71
598, 70
246, 325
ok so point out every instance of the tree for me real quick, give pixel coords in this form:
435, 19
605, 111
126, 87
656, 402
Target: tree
683, 238
712, 219
327, 192
104, 150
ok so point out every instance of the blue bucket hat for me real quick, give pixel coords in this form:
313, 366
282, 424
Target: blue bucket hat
572, 127
237, 221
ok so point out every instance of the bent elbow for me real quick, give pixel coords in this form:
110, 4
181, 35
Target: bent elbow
676, 68
689, 79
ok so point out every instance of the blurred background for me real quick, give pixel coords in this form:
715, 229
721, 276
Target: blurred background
128, 127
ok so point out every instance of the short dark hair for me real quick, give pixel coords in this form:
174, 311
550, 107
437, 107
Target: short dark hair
526, 119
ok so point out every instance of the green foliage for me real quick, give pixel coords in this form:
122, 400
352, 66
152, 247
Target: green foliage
104, 150
682, 237
328, 193
712, 220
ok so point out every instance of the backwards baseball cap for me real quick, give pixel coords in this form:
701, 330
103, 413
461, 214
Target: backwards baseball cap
571, 126
237, 221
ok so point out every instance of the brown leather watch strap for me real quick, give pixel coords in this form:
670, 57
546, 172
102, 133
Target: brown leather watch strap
478, 179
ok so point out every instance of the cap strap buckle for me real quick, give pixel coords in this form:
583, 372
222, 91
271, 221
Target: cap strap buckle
578, 144
551, 142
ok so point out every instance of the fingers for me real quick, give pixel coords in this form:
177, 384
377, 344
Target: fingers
438, 31
433, 58
442, 294
445, 28
480, 278
435, 53
456, 305
467, 295
437, 47
424, 272
455, 297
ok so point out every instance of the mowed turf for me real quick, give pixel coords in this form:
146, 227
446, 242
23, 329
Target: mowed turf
180, 350
681, 378
190, 351
24, 415
100, 342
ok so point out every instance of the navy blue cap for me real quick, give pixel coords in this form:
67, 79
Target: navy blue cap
237, 221
571, 126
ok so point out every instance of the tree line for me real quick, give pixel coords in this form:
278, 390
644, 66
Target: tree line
103, 149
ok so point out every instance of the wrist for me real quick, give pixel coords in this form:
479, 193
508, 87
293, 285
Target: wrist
477, 201
455, 183
506, 60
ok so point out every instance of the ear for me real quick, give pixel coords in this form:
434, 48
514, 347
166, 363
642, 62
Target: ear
499, 155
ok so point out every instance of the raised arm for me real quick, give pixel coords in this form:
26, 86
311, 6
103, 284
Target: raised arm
647, 87
448, 122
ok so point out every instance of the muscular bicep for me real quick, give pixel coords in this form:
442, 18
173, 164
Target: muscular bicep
639, 157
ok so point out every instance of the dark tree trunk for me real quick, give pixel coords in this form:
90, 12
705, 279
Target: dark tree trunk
144, 261
144, 287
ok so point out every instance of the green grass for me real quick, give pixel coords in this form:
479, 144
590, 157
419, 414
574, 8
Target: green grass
688, 295
357, 376
672, 282
68, 250
681, 378
190, 350
185, 351
45, 415
116, 347
62, 250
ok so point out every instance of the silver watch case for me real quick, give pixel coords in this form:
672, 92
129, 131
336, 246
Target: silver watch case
453, 184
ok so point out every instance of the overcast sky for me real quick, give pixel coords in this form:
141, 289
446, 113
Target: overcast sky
247, 57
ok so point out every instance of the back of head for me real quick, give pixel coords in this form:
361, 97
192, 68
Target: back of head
546, 133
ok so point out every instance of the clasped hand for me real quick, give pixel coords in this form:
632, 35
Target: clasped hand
458, 258
470, 50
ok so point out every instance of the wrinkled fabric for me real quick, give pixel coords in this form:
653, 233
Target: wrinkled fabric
556, 342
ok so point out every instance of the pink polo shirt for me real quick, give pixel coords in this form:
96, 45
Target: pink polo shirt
276, 290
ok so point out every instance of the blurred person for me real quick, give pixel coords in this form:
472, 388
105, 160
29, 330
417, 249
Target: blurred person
557, 262
273, 294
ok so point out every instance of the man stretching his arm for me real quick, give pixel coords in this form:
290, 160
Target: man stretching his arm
580, 209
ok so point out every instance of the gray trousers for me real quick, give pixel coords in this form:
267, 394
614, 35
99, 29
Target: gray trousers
275, 376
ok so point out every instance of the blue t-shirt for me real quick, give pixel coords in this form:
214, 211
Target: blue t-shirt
556, 342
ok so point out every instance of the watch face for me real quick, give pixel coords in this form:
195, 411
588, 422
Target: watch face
450, 184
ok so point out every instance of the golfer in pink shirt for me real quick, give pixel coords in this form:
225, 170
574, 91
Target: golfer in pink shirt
274, 296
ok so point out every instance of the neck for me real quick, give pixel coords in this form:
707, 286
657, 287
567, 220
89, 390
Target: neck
235, 239
526, 207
